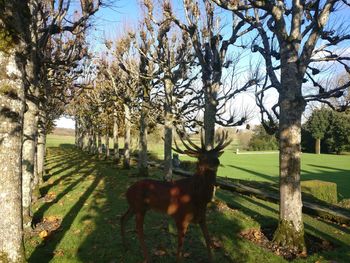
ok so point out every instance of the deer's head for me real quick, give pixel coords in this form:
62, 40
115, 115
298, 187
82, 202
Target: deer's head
207, 159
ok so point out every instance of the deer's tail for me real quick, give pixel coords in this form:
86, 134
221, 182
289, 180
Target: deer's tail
129, 213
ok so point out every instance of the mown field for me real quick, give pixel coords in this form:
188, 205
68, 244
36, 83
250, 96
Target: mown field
83, 198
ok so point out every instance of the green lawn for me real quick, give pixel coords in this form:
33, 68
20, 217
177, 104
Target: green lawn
263, 167
87, 195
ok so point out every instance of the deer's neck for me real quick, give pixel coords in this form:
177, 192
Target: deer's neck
204, 181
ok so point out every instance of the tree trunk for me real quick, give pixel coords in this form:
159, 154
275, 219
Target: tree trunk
28, 154
76, 132
318, 146
11, 118
168, 132
290, 231
90, 141
107, 145
36, 180
99, 144
115, 138
210, 112
126, 163
143, 160
85, 140
41, 153
80, 135
94, 142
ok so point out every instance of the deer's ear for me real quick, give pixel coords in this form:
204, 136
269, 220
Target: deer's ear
220, 153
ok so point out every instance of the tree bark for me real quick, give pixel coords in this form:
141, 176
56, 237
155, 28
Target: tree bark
115, 138
127, 114
90, 141
290, 231
41, 153
143, 159
28, 155
76, 132
13, 53
107, 145
94, 142
317, 146
99, 144
168, 132
80, 135
210, 109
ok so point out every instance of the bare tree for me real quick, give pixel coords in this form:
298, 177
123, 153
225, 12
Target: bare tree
211, 51
172, 55
124, 77
46, 20
14, 50
288, 39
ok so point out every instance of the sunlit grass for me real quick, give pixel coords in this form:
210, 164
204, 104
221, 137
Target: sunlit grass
88, 196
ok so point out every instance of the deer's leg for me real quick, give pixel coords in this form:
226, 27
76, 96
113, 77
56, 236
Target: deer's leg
139, 228
181, 231
123, 221
205, 231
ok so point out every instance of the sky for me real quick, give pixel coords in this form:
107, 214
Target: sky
111, 21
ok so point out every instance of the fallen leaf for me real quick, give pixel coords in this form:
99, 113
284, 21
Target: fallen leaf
159, 252
43, 234
77, 231
58, 253
257, 235
51, 219
216, 243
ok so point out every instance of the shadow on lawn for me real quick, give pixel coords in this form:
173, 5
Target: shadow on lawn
264, 176
330, 174
103, 242
267, 216
102, 202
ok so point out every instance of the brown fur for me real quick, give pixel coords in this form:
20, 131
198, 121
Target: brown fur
184, 200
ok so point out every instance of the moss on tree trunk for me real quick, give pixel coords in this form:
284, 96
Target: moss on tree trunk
287, 236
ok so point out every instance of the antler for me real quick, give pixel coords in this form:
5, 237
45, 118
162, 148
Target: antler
223, 142
191, 148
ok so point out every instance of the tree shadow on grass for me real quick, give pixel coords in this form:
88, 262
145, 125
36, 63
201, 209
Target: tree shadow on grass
267, 217
69, 160
70, 182
264, 176
104, 243
78, 163
90, 230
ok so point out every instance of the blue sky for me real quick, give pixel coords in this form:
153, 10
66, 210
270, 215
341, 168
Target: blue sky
110, 22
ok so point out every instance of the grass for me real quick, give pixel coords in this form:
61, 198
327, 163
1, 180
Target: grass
88, 196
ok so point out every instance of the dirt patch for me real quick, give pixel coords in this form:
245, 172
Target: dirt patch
263, 238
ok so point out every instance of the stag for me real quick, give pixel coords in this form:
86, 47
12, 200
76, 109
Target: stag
185, 200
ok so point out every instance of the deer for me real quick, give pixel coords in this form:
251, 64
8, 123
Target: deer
185, 200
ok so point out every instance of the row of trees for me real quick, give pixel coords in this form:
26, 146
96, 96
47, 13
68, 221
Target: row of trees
179, 70
42, 49
177, 64
156, 76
